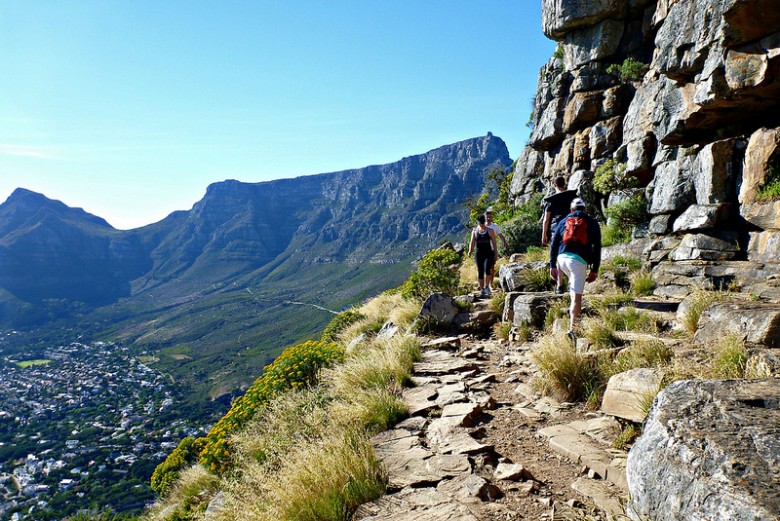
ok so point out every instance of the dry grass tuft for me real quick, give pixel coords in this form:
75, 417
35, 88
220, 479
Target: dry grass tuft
730, 358
191, 493
700, 300
564, 372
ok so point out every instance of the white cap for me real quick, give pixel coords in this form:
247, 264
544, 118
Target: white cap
578, 203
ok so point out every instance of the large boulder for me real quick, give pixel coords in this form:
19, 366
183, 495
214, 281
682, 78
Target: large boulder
628, 393
700, 217
700, 246
531, 308
513, 276
439, 309
709, 450
596, 42
757, 323
761, 146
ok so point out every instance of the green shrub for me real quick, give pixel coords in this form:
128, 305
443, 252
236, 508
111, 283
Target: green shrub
628, 71
503, 329
522, 232
611, 176
646, 353
437, 271
297, 367
187, 453
642, 284
770, 190
630, 212
615, 234
619, 261
537, 280
536, 254
339, 323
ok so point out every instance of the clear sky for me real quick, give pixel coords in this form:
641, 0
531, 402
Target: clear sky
130, 109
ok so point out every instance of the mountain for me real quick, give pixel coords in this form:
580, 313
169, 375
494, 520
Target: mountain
215, 292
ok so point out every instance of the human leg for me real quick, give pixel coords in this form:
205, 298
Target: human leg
576, 271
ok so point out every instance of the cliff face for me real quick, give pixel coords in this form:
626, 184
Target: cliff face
698, 127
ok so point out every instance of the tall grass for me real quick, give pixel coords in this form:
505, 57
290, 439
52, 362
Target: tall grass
642, 284
730, 358
699, 301
563, 372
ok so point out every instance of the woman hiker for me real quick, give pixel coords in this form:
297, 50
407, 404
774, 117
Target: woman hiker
483, 245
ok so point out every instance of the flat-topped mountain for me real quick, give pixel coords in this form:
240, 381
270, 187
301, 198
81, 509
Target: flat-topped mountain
232, 273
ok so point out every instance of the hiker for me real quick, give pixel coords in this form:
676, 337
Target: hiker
497, 231
576, 244
556, 207
483, 245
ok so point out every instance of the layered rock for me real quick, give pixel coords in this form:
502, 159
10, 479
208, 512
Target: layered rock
698, 126
709, 450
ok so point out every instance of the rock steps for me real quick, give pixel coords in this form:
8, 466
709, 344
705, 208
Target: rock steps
447, 460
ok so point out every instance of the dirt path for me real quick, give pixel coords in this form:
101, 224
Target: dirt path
472, 449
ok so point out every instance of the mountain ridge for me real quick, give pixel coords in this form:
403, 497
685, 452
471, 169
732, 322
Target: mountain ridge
202, 285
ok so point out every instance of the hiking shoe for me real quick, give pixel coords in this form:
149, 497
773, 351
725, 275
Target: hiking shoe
482, 293
560, 291
487, 291
570, 334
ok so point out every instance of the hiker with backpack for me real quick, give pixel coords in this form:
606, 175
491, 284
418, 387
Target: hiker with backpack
576, 252
556, 207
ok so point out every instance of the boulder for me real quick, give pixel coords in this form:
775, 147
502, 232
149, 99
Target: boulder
605, 137
709, 450
764, 246
660, 225
581, 150
508, 314
439, 308
765, 215
389, 330
629, 393
757, 323
715, 172
547, 131
531, 308
511, 275
700, 217
699, 246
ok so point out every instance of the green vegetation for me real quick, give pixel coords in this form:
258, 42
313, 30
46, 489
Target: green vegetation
564, 372
537, 280
437, 271
185, 455
698, 302
339, 323
31, 363
611, 176
730, 358
629, 212
642, 284
627, 436
536, 254
770, 189
305, 453
628, 71
613, 234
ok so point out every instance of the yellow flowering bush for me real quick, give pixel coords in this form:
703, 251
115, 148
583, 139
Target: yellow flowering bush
187, 453
296, 367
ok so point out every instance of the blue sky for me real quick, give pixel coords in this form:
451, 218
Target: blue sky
130, 109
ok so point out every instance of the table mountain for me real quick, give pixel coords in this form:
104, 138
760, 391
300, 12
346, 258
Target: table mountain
232, 273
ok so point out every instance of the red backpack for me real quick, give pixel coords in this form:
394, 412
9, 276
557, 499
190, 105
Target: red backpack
575, 231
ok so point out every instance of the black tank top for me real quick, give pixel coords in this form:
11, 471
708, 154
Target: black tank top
483, 241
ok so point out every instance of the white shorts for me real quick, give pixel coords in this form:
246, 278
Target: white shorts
576, 271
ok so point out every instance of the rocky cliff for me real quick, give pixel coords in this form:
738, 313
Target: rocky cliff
684, 95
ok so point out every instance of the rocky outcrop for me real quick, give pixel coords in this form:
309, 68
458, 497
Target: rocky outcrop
709, 450
695, 118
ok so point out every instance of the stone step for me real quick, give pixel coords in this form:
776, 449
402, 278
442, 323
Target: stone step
574, 442
605, 497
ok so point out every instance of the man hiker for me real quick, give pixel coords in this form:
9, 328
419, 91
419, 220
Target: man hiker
497, 231
576, 252
556, 207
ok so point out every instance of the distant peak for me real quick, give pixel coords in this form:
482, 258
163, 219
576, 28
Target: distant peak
29, 201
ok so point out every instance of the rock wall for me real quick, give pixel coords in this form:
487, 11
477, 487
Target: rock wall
698, 128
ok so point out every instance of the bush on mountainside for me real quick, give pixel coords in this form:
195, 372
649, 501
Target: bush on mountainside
437, 271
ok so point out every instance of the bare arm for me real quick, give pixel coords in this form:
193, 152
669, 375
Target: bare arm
546, 228
472, 243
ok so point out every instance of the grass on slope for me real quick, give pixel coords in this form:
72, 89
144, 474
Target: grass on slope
307, 455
